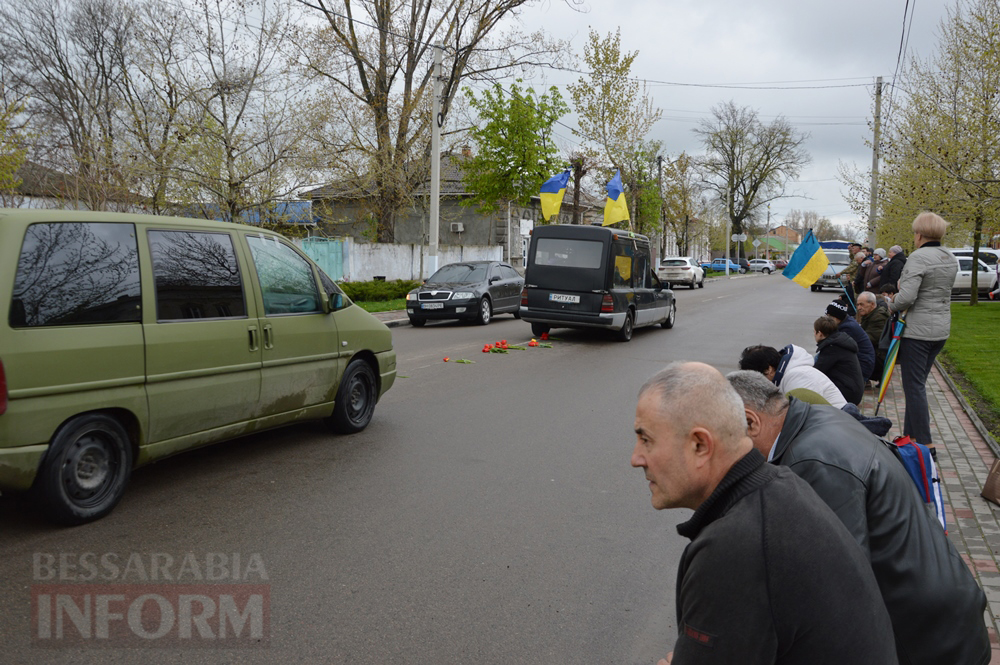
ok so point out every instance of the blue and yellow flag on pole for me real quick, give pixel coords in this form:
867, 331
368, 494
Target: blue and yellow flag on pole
808, 262
552, 194
615, 208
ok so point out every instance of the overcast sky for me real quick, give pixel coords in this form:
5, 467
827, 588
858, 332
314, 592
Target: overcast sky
778, 43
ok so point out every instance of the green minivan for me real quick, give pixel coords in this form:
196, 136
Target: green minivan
128, 338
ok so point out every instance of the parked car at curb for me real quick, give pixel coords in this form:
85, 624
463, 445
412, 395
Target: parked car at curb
986, 280
593, 277
128, 338
719, 265
762, 265
681, 270
470, 290
781, 264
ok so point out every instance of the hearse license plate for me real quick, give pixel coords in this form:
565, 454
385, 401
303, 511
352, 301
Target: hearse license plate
559, 297
432, 305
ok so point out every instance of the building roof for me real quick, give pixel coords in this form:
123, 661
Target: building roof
452, 183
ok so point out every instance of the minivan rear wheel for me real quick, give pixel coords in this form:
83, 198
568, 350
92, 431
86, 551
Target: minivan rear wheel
86, 469
355, 401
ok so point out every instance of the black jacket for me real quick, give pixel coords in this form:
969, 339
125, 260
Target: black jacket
934, 602
893, 269
771, 576
837, 357
866, 352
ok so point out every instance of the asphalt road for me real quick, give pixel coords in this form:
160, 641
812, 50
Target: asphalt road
488, 515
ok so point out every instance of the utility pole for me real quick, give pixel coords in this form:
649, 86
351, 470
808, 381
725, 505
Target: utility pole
729, 227
659, 186
436, 122
873, 204
767, 234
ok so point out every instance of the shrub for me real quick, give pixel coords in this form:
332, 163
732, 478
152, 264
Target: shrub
378, 290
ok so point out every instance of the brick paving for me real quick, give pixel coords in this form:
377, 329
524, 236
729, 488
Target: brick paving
964, 458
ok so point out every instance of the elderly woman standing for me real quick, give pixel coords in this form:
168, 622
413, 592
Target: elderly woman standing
925, 291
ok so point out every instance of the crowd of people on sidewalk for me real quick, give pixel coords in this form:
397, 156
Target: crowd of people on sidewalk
809, 540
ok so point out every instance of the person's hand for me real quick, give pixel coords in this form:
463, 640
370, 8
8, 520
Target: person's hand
666, 661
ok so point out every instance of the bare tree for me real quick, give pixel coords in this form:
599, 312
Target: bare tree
376, 56
64, 57
746, 162
242, 137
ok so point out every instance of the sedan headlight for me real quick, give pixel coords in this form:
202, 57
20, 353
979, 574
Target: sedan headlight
412, 295
463, 295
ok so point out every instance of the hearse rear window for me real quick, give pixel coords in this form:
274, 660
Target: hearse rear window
568, 253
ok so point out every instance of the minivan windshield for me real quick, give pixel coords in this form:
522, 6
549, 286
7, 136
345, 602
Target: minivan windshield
568, 253
459, 273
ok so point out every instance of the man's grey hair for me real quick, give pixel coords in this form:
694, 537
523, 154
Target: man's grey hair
757, 392
692, 394
859, 255
866, 296
895, 249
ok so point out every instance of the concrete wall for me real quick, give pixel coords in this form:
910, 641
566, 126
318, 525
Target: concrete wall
394, 261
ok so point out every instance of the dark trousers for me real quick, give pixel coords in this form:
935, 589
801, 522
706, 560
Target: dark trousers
915, 359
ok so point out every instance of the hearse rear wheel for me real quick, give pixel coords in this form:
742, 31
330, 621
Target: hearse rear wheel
625, 334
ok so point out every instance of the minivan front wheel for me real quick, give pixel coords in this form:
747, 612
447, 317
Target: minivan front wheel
86, 469
355, 401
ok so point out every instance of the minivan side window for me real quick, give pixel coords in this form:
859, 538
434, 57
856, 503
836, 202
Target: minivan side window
196, 276
77, 273
286, 279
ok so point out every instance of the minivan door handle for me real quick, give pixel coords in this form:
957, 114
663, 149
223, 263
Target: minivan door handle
254, 346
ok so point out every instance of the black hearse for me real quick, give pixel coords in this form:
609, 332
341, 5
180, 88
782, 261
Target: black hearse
593, 277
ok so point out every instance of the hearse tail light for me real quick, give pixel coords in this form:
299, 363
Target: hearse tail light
3, 390
524, 296
607, 304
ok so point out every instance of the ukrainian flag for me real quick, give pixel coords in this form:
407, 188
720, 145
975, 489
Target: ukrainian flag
615, 208
808, 262
552, 194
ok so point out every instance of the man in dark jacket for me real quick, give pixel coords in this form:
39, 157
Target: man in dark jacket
866, 352
837, 357
934, 602
770, 575
872, 317
894, 268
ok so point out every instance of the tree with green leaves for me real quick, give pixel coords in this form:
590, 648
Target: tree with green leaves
616, 114
942, 146
515, 151
683, 200
748, 163
12, 148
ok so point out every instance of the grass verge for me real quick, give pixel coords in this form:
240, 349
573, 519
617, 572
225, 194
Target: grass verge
969, 357
382, 305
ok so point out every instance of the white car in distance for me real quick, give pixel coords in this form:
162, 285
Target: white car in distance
681, 270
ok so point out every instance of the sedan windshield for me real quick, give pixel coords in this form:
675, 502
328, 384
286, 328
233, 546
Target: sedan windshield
459, 273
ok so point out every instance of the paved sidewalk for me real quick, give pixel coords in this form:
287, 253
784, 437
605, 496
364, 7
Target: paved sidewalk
964, 457
392, 319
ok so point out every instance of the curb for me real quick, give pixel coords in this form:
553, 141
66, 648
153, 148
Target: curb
976, 422
396, 323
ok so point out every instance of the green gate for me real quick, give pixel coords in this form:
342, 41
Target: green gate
328, 253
